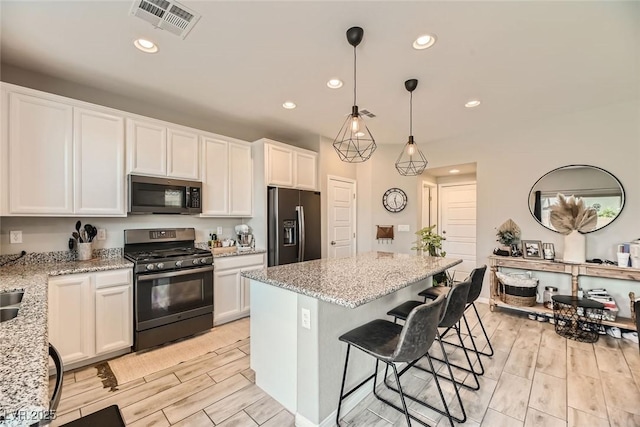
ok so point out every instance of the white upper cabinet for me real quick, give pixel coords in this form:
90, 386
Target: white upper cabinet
240, 180
147, 146
156, 149
227, 187
215, 177
98, 163
183, 154
279, 166
306, 170
289, 166
63, 159
40, 155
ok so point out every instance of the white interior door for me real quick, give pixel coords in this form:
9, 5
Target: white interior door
341, 223
458, 225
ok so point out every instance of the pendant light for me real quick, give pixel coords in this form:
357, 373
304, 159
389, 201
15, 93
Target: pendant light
411, 161
354, 143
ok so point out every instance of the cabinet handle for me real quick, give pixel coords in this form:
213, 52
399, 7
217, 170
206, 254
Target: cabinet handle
333, 243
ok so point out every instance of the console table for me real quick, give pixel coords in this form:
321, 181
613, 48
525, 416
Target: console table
575, 270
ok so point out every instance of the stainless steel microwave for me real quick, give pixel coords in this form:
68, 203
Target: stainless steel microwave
151, 195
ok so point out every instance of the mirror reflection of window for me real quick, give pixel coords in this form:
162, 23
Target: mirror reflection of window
597, 187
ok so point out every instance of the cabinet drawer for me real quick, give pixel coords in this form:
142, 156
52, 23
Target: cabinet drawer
239, 261
112, 278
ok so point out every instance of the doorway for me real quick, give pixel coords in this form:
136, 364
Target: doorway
341, 221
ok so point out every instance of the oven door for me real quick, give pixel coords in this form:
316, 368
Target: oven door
168, 297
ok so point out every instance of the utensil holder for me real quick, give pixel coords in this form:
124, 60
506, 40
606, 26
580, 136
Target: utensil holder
84, 251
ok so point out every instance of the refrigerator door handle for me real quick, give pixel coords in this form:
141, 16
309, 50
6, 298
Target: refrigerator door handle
301, 239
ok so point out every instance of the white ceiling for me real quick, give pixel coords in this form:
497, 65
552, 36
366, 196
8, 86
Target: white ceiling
526, 61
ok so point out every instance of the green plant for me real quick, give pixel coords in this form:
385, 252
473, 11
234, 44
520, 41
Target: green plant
431, 243
607, 213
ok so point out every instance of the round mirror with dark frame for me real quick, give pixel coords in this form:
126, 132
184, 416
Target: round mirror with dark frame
598, 188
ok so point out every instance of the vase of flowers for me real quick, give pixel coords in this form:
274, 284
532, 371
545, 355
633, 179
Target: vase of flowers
571, 217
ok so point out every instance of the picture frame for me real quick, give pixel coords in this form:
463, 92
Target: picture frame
532, 249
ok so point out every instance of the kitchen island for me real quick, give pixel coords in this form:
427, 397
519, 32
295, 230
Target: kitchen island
298, 311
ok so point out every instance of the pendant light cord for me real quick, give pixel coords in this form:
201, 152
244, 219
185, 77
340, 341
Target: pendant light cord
354, 75
411, 114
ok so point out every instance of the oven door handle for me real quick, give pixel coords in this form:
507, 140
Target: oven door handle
146, 277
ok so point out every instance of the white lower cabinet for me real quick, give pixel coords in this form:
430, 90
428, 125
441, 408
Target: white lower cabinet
91, 314
231, 299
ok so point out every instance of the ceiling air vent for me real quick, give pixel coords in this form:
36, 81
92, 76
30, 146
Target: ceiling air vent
167, 15
367, 113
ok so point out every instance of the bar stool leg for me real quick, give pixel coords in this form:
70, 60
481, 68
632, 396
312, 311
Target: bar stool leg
484, 331
475, 348
344, 377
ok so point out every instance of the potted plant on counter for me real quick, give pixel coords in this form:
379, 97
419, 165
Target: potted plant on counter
430, 243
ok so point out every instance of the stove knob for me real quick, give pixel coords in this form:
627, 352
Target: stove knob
160, 266
179, 263
203, 260
150, 266
195, 261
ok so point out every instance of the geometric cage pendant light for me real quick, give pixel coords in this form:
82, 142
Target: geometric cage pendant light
354, 142
411, 161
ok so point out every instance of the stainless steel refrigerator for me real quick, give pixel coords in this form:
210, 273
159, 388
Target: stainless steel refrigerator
293, 226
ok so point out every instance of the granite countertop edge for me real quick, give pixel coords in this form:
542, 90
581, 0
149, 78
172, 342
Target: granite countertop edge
24, 340
259, 275
238, 253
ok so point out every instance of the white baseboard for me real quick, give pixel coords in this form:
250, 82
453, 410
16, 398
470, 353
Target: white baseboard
347, 405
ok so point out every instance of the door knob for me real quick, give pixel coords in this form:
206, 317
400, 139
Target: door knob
333, 243
444, 231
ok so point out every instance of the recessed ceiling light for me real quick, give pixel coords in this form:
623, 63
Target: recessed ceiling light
334, 83
454, 171
145, 45
289, 105
424, 41
472, 103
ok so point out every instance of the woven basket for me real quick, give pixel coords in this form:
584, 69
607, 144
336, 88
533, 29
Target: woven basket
517, 289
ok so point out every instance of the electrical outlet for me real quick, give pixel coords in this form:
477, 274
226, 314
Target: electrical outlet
15, 236
219, 232
404, 227
102, 234
306, 318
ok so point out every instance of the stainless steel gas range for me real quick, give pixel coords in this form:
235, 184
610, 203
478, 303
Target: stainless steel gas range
173, 285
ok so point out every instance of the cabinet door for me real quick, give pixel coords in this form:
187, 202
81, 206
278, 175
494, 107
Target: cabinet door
183, 151
246, 289
146, 148
98, 163
306, 172
279, 166
40, 156
241, 180
215, 171
227, 296
114, 310
71, 316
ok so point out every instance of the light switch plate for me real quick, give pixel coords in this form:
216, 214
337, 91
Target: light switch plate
219, 232
404, 227
102, 234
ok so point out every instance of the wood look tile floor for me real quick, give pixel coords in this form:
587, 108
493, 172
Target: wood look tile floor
535, 378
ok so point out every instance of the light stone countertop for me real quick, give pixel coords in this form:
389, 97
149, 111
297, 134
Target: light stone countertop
240, 253
24, 342
353, 281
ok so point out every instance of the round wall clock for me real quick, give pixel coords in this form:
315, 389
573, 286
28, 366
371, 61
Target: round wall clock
394, 200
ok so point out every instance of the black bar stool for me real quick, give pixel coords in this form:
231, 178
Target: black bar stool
476, 276
392, 343
453, 310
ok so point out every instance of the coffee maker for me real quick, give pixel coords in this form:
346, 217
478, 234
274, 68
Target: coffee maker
245, 238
